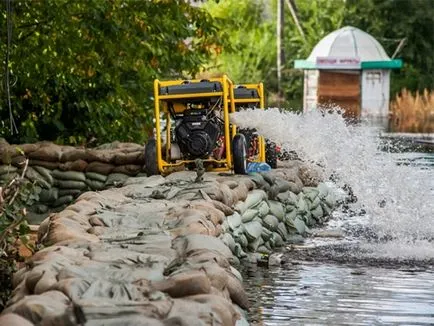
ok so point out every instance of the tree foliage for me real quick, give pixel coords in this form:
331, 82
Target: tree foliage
391, 21
83, 69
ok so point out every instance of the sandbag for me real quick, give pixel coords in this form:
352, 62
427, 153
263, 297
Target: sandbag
128, 169
317, 212
276, 209
46, 164
228, 240
281, 229
270, 222
11, 319
34, 176
50, 153
300, 225
99, 167
137, 158
94, 184
263, 208
116, 180
184, 284
77, 165
45, 173
72, 192
68, 175
7, 169
18, 161
266, 234
241, 192
74, 155
234, 221
249, 215
96, 176
70, 184
67, 199
253, 230
49, 195
36, 307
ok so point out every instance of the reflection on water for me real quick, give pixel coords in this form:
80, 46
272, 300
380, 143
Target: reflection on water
324, 294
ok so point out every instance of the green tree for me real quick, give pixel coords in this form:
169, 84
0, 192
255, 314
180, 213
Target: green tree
391, 21
250, 31
84, 69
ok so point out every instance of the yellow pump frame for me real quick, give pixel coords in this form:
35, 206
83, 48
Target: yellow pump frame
239, 103
227, 97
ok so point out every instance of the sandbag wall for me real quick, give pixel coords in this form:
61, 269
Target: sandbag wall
158, 251
62, 173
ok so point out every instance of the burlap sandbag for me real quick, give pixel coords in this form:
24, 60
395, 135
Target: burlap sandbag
73, 155
136, 158
11, 319
129, 169
184, 284
18, 161
50, 153
28, 148
104, 156
46, 164
36, 307
211, 213
221, 307
99, 167
77, 165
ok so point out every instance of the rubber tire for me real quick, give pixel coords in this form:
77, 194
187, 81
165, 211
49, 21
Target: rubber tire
271, 154
239, 154
151, 166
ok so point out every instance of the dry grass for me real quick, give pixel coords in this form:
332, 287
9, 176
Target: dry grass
412, 113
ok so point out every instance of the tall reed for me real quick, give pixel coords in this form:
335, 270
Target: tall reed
412, 113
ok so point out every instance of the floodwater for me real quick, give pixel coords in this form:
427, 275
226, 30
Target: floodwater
330, 294
381, 272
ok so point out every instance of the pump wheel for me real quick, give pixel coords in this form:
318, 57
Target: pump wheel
151, 166
239, 153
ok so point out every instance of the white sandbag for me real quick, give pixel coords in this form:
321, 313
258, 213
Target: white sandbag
249, 215
270, 222
229, 241
282, 230
233, 221
300, 225
276, 209
263, 208
253, 230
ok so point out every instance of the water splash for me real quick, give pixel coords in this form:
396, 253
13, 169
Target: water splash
398, 199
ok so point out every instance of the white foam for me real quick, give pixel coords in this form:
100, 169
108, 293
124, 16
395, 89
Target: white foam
352, 153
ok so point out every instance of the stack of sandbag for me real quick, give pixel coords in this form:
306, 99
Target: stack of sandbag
61, 173
270, 215
111, 260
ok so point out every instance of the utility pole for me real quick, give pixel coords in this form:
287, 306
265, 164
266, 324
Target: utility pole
280, 53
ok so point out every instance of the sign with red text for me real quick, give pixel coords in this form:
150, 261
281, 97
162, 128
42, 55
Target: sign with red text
338, 63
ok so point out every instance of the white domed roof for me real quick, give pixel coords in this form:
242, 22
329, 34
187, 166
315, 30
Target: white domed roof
349, 42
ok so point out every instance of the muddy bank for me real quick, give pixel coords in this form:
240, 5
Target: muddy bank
163, 251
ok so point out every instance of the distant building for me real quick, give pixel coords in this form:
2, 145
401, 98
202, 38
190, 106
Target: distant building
349, 68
